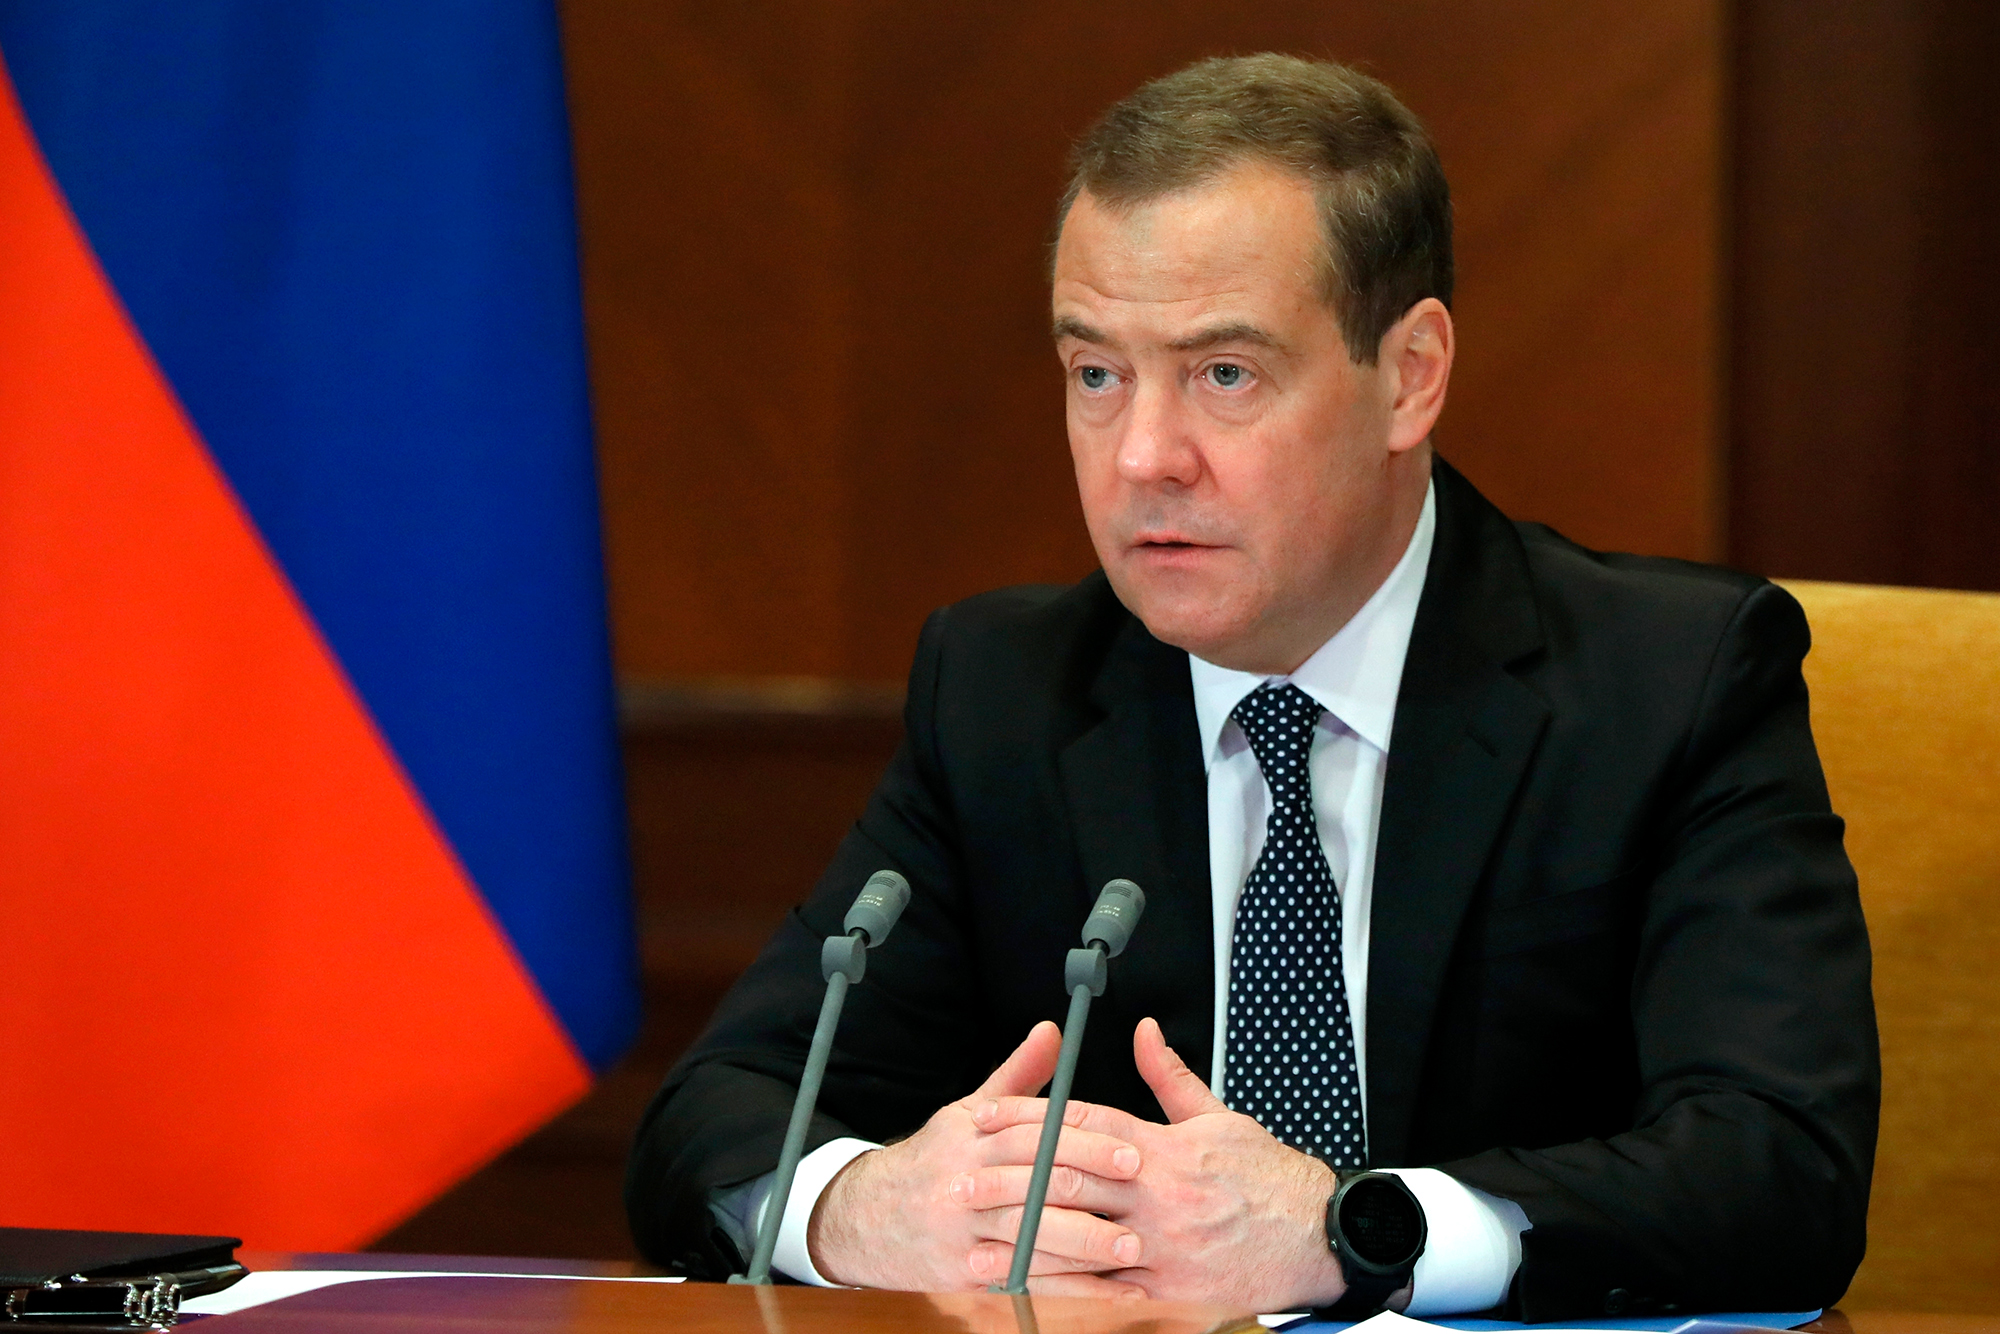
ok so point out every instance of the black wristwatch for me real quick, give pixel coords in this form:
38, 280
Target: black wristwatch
1375, 1227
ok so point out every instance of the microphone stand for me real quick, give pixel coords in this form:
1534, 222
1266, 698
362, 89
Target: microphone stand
842, 961
1085, 974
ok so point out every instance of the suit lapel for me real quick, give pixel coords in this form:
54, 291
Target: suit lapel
1466, 729
1138, 803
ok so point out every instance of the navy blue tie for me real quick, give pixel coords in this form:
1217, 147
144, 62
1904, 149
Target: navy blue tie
1290, 1059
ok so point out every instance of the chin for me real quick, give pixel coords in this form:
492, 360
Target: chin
1199, 627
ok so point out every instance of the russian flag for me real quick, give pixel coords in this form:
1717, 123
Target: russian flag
313, 891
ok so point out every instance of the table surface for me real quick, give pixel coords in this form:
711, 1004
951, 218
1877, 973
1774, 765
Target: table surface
536, 1306
1838, 1321
541, 1305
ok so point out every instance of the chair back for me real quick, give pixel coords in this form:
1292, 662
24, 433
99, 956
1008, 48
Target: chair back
1906, 709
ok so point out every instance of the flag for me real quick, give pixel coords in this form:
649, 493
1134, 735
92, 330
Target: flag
313, 892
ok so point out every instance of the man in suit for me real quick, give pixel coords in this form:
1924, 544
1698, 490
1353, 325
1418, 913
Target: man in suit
1470, 854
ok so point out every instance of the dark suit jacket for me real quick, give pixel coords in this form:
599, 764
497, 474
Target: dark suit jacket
1617, 967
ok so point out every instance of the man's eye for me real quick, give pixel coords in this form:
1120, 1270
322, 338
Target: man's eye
1095, 377
1226, 376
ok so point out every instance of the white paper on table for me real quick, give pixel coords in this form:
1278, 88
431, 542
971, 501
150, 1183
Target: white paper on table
269, 1285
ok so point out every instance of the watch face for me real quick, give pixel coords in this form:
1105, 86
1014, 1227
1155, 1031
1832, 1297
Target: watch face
1381, 1222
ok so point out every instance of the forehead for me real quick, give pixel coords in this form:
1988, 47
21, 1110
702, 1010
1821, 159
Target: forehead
1245, 245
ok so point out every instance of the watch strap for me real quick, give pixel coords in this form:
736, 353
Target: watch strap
1365, 1295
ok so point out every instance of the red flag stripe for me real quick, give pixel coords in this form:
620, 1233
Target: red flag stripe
271, 1001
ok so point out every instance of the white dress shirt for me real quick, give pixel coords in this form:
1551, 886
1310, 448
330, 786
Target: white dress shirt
1475, 1239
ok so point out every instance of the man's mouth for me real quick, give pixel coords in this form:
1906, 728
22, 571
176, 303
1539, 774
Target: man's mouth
1171, 547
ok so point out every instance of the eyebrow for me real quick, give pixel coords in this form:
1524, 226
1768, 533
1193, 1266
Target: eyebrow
1223, 333
1070, 327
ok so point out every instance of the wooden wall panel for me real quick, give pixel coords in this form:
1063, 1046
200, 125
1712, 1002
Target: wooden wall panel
735, 811
814, 261
1866, 433
711, 146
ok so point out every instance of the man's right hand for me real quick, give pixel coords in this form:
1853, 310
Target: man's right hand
904, 1216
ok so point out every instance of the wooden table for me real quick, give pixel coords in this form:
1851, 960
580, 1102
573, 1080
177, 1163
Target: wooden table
1838, 1321
583, 1306
529, 1305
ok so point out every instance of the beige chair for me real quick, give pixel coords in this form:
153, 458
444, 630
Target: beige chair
1906, 708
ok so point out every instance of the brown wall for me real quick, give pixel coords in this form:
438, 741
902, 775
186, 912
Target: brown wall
813, 252
1866, 427
704, 772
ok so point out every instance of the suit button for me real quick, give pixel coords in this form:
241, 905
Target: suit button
1616, 1300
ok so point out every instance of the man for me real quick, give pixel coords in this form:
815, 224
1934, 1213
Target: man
1469, 853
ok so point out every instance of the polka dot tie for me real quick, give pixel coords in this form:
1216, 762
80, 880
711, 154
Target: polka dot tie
1290, 1042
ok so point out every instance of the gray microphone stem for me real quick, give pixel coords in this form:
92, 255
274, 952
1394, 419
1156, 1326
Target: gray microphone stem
795, 1132
842, 961
1045, 1152
1085, 973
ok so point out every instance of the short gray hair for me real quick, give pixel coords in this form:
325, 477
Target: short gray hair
1385, 208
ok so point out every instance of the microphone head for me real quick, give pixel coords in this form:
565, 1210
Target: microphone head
880, 903
1110, 923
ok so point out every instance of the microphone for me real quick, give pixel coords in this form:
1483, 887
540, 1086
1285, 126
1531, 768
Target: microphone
842, 960
1085, 973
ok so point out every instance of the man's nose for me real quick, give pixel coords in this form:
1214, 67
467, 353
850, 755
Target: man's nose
1159, 446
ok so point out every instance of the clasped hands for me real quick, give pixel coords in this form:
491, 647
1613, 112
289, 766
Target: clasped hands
1208, 1207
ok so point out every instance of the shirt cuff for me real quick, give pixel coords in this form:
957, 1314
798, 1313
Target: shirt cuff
816, 1170
1473, 1246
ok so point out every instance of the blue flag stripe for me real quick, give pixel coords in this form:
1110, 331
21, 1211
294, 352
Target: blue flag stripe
346, 231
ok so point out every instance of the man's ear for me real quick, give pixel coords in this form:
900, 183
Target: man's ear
1416, 356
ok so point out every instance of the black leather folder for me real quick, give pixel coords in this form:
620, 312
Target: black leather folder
54, 1278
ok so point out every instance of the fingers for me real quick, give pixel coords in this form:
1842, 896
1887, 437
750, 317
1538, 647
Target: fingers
1084, 1285
1001, 1187
992, 1266
994, 1261
1100, 1155
995, 1264
1068, 1241
1182, 1093
1031, 1065
996, 1114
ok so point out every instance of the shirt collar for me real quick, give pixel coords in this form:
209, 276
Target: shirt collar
1356, 674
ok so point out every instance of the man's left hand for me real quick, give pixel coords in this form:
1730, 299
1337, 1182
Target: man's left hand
1226, 1212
